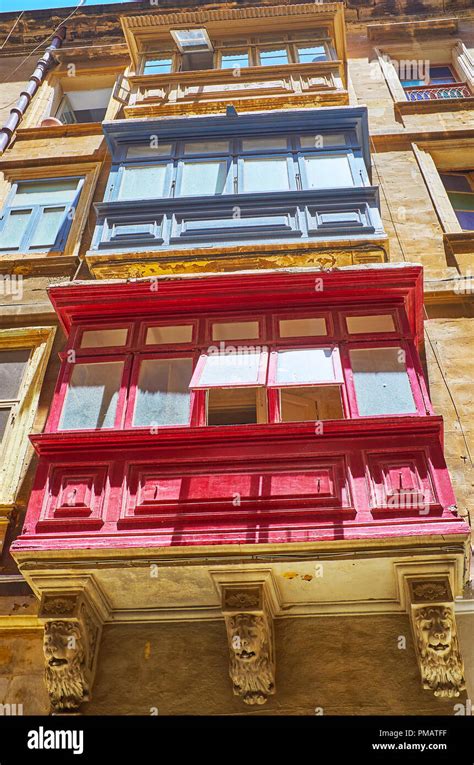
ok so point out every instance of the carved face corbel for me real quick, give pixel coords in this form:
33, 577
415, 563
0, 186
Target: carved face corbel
251, 644
71, 638
436, 642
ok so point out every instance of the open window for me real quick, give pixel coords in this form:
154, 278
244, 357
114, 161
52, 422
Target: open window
308, 384
84, 105
195, 47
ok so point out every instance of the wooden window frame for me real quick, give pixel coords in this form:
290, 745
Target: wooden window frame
89, 171
133, 386
36, 211
413, 371
15, 450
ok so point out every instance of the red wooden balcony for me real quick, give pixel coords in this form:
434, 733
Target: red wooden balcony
350, 474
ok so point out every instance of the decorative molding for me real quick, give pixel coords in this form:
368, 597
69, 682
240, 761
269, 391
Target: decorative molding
431, 610
249, 625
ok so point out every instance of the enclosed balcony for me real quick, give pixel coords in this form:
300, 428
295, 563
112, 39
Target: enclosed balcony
277, 188
199, 62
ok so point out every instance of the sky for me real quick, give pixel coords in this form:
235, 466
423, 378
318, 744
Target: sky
43, 5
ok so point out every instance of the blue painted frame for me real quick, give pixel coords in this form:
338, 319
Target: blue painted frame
36, 212
180, 222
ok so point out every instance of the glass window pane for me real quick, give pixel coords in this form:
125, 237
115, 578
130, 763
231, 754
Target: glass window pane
461, 201
12, 368
263, 144
310, 55
157, 66
456, 182
206, 147
14, 230
231, 60
4, 415
381, 381
160, 150
305, 365
301, 404
273, 57
466, 220
147, 182
47, 229
238, 368
439, 75
266, 174
45, 192
377, 323
320, 140
235, 330
92, 395
302, 327
163, 396
203, 178
328, 172
100, 338
182, 333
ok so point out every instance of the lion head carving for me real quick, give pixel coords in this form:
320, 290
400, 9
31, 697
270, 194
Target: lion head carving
251, 658
65, 655
440, 658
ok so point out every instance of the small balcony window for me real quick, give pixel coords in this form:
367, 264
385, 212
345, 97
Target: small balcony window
273, 56
460, 190
381, 381
162, 393
234, 60
437, 83
92, 396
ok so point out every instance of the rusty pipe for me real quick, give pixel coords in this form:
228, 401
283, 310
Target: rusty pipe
18, 111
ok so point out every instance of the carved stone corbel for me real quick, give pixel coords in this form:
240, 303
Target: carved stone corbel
431, 607
72, 631
249, 626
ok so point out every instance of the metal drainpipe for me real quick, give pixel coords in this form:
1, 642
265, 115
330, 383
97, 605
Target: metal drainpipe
18, 111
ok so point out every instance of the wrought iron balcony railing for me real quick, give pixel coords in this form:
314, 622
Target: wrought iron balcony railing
436, 92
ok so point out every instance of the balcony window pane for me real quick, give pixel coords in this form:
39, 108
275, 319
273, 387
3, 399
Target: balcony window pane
310, 55
12, 368
273, 57
47, 229
235, 330
305, 365
203, 178
376, 323
328, 172
206, 147
157, 65
233, 60
103, 338
14, 229
263, 144
91, 399
302, 327
147, 182
269, 174
150, 152
321, 140
238, 368
182, 333
302, 404
381, 381
163, 396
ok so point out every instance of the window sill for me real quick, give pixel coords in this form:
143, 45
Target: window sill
460, 243
49, 443
436, 105
60, 131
